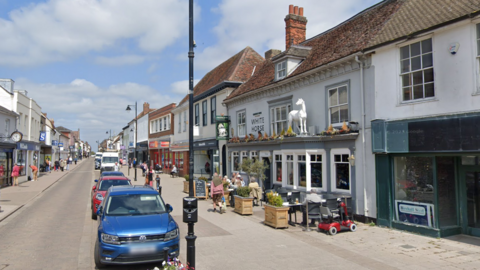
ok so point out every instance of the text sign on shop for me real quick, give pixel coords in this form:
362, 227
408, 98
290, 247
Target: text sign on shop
415, 212
222, 127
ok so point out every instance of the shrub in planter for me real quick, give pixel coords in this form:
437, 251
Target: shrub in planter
244, 192
203, 178
186, 177
274, 200
275, 214
243, 201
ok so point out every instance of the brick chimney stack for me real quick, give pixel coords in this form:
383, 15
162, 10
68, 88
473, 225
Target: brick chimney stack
295, 26
146, 107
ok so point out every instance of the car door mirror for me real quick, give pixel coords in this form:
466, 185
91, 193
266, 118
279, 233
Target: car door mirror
99, 210
169, 208
96, 180
94, 187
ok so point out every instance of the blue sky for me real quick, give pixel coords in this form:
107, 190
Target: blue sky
84, 61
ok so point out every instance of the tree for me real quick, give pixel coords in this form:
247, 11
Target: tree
255, 168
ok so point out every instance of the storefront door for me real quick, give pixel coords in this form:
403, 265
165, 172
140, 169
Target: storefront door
470, 203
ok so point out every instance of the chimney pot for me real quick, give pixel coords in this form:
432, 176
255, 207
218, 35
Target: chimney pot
300, 11
295, 27
295, 10
290, 9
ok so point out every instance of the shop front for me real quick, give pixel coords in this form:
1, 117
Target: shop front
180, 151
6, 163
26, 154
160, 153
428, 174
142, 152
206, 158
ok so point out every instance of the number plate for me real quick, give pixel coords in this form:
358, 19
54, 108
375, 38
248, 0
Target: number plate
136, 250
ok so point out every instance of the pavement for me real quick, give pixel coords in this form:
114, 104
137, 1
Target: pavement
233, 241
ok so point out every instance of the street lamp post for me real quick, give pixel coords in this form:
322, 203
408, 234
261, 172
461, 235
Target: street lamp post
109, 139
135, 155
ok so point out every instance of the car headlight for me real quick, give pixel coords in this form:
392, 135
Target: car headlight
99, 197
110, 239
171, 235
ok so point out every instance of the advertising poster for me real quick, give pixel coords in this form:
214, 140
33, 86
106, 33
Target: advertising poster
415, 213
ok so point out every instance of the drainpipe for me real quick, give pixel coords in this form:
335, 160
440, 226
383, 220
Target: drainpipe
362, 91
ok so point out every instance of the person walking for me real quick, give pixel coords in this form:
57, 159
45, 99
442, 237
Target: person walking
217, 192
69, 160
149, 176
76, 159
56, 165
47, 165
15, 174
116, 167
63, 163
34, 172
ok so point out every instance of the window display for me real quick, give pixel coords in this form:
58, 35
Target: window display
342, 171
278, 166
290, 170
316, 171
302, 170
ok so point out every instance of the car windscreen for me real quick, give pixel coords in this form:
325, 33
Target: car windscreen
112, 174
105, 184
134, 204
109, 159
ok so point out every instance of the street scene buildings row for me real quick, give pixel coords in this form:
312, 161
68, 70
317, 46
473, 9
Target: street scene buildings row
40, 139
383, 108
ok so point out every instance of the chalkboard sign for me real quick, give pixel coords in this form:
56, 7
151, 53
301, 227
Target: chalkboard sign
200, 189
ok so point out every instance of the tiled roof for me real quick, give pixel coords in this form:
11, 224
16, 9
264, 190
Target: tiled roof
238, 68
382, 23
63, 129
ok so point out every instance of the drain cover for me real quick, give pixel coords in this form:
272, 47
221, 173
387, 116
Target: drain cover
407, 246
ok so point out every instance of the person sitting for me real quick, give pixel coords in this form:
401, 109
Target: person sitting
173, 172
256, 190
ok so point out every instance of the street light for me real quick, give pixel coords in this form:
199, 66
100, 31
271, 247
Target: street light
98, 146
109, 139
135, 155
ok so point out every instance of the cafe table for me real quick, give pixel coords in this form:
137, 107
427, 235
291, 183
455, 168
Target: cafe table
294, 207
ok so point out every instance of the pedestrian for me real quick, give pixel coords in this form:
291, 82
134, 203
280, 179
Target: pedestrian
56, 165
130, 163
47, 166
115, 168
76, 159
149, 176
63, 164
174, 171
15, 174
135, 163
144, 168
217, 192
34, 172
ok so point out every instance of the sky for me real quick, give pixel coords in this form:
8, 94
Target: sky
84, 61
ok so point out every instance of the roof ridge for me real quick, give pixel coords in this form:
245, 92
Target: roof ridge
238, 63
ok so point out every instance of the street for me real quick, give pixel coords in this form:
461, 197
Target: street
54, 230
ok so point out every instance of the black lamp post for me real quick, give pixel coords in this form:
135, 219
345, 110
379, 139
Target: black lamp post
135, 155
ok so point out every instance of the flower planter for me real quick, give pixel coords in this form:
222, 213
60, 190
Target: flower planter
243, 206
226, 194
276, 217
186, 186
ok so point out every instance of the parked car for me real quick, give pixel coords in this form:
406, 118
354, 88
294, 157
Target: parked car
134, 226
101, 187
112, 173
98, 163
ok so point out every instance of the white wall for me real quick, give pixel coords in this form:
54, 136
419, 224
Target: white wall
209, 131
455, 76
179, 112
142, 131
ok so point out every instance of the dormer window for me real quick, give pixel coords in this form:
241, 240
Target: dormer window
281, 70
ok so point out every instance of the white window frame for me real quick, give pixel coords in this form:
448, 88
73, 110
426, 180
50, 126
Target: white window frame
296, 180
179, 122
281, 70
274, 121
234, 154
419, 40
254, 154
160, 124
241, 126
333, 171
338, 105
184, 121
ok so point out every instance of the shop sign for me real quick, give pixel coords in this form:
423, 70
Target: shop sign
258, 123
415, 212
54, 142
164, 144
222, 127
43, 136
60, 144
23, 146
153, 144
265, 154
71, 147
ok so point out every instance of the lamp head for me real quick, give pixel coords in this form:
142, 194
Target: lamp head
128, 108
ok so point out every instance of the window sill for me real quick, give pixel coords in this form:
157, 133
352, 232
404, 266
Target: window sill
414, 102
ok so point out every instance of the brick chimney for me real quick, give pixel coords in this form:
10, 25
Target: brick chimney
146, 108
271, 53
295, 26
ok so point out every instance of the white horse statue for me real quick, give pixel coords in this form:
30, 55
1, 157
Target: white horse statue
299, 116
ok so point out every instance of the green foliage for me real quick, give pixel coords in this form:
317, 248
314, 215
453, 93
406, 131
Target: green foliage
254, 168
274, 200
225, 186
203, 178
186, 177
244, 192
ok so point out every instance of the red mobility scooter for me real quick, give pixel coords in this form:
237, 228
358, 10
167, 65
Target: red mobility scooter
336, 220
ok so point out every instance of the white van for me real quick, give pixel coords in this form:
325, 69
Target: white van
108, 161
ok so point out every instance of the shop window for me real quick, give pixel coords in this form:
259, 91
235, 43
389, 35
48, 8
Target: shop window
341, 170
180, 160
278, 168
446, 191
254, 156
416, 63
244, 155
289, 164
279, 118
204, 112
213, 109
316, 171
197, 114
236, 161
414, 194
302, 170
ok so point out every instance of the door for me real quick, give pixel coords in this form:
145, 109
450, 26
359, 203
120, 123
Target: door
268, 182
224, 160
470, 201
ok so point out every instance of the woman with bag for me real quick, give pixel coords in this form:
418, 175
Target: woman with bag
216, 190
149, 176
15, 174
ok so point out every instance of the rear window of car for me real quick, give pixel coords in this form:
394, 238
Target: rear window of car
134, 204
109, 159
106, 184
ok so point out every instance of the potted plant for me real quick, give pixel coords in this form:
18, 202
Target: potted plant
276, 215
255, 168
226, 193
243, 201
186, 184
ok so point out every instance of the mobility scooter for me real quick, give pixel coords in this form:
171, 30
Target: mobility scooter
336, 220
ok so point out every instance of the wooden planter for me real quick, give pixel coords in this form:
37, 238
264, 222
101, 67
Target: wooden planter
277, 217
186, 186
243, 206
226, 194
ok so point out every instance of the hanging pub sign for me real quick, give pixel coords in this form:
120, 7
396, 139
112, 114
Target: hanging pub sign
223, 127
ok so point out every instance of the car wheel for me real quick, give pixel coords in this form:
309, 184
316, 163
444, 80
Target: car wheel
94, 215
332, 230
96, 256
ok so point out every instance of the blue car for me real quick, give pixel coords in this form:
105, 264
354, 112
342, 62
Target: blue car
135, 226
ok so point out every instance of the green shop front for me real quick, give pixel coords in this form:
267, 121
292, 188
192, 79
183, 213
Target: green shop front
428, 174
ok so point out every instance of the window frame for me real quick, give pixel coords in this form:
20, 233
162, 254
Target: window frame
274, 122
333, 171
233, 155
179, 123
213, 109
184, 121
281, 67
197, 114
327, 100
244, 125
204, 113
422, 69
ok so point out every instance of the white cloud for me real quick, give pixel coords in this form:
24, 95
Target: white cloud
120, 60
181, 87
59, 30
261, 25
93, 109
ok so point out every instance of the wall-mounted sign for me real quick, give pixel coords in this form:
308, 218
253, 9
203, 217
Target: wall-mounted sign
54, 143
415, 212
164, 144
153, 144
258, 123
223, 127
60, 144
43, 136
